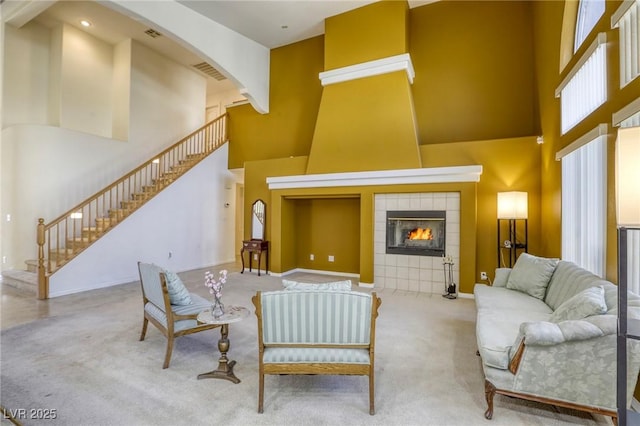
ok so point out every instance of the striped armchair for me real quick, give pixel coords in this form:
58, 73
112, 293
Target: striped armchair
316, 332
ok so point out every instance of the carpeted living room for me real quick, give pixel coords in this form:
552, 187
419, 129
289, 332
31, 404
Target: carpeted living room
79, 356
472, 164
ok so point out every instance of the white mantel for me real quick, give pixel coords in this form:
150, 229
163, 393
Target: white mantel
381, 177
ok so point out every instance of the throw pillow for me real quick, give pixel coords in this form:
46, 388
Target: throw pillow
502, 276
588, 302
178, 293
331, 286
531, 275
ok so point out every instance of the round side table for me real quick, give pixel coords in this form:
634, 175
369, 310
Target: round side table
225, 367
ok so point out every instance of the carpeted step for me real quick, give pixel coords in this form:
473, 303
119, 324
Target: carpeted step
130, 204
78, 243
32, 265
116, 215
22, 280
92, 232
141, 196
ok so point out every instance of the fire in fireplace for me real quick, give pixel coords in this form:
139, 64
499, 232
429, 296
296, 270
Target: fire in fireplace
420, 233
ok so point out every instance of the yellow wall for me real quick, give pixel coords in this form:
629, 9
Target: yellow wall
359, 121
328, 227
484, 107
371, 32
255, 176
474, 81
294, 98
508, 165
474, 70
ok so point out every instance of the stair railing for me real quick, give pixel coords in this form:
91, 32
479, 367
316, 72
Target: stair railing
65, 237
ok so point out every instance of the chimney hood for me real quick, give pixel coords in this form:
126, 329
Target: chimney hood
366, 119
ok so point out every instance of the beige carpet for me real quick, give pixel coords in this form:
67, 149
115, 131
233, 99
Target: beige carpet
90, 367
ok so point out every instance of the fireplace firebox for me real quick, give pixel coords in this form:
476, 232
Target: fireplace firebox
419, 233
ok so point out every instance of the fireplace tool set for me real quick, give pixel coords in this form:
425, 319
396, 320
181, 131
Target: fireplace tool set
449, 285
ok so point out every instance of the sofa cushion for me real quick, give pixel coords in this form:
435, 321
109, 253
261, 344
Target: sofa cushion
500, 298
178, 293
287, 355
531, 275
330, 286
502, 276
496, 332
568, 280
588, 302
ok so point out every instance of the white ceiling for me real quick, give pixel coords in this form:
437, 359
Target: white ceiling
259, 20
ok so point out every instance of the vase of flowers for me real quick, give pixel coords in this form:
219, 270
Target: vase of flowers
215, 289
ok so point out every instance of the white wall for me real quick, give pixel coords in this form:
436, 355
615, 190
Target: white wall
167, 99
188, 219
121, 90
239, 58
26, 75
86, 83
46, 170
217, 102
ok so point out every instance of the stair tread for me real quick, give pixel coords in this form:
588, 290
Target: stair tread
90, 234
21, 279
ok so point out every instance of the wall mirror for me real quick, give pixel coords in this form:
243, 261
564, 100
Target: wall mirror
258, 219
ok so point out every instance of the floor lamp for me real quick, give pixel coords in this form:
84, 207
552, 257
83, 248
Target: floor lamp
628, 218
512, 207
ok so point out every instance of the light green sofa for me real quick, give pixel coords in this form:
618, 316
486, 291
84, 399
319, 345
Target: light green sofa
553, 341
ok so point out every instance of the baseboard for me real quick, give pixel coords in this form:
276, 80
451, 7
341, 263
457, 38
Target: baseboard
466, 296
262, 271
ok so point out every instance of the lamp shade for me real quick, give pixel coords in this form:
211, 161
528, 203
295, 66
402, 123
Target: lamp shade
628, 177
512, 205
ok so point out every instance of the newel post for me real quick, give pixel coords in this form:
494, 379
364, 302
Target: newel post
43, 291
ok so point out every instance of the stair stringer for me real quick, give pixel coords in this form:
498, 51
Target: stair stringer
186, 226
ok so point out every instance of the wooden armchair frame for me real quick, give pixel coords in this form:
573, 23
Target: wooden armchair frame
328, 368
165, 306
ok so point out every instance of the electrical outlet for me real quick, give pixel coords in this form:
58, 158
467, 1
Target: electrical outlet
311, 257
255, 257
4, 259
483, 276
331, 258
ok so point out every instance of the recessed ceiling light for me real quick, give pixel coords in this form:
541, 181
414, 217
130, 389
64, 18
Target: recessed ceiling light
85, 23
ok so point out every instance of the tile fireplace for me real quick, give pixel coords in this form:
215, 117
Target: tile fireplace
405, 263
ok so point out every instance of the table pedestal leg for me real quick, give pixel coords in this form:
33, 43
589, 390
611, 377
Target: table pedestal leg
225, 367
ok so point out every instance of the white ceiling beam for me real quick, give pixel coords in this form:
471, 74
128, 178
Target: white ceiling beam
18, 13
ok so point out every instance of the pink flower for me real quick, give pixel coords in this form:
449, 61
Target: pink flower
215, 286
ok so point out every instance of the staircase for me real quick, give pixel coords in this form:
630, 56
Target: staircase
62, 239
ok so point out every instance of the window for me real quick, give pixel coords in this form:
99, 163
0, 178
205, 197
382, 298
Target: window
584, 88
589, 12
584, 200
627, 20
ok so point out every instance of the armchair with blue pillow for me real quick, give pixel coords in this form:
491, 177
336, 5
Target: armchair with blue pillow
169, 306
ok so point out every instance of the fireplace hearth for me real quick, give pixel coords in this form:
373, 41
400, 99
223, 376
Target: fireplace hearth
415, 232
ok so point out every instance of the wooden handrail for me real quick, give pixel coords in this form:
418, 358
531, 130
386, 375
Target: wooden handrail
65, 237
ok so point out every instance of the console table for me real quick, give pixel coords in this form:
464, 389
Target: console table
258, 247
